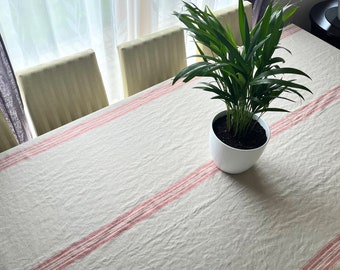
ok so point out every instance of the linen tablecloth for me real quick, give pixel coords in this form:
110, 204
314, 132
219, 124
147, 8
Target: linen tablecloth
133, 186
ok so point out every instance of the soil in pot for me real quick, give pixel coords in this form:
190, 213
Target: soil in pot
254, 138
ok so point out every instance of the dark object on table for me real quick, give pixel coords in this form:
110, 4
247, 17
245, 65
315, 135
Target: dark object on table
325, 23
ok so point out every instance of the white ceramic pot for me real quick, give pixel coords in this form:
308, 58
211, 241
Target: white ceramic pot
233, 160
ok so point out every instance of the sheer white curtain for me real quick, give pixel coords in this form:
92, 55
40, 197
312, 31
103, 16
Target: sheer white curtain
36, 31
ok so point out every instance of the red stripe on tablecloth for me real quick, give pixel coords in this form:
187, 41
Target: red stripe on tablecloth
332, 261
329, 259
107, 233
299, 115
289, 30
88, 125
326, 258
129, 219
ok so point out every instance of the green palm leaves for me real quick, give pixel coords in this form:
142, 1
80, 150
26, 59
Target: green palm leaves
248, 78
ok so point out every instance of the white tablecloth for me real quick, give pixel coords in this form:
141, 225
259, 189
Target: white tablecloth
133, 186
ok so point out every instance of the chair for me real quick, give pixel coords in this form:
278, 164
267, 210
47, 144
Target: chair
151, 59
229, 16
63, 90
7, 140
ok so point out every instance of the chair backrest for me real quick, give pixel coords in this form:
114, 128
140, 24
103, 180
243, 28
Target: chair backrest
62, 90
151, 59
229, 16
7, 139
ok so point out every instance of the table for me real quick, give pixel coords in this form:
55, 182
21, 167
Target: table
132, 186
324, 22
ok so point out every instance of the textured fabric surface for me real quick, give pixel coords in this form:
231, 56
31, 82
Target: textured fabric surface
10, 101
152, 59
132, 186
62, 90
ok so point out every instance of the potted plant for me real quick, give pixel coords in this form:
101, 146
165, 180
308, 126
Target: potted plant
246, 78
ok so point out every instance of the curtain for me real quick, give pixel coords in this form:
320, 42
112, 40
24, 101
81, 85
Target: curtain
37, 31
10, 101
259, 7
